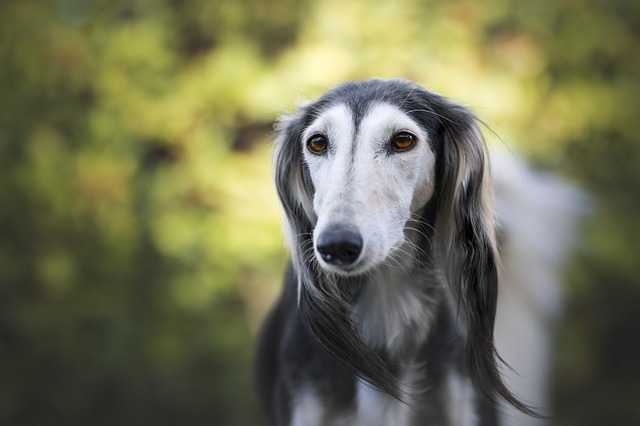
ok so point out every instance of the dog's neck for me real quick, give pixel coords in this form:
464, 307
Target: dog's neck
397, 302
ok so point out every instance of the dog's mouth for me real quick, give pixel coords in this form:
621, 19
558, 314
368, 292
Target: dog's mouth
349, 270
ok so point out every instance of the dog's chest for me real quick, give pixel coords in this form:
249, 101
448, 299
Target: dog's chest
370, 408
377, 408
451, 404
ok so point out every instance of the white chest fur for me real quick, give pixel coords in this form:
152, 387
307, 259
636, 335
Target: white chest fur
374, 408
377, 408
371, 408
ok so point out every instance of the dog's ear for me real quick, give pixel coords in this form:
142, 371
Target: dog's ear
293, 184
466, 228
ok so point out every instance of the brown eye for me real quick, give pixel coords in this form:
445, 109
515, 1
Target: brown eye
402, 141
317, 144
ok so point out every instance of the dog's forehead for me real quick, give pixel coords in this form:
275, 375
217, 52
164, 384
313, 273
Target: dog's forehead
359, 98
380, 118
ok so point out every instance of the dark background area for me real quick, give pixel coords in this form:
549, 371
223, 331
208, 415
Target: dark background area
139, 231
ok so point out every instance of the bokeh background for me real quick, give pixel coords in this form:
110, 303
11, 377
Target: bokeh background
139, 232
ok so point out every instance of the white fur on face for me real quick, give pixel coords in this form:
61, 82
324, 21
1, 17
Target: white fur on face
360, 184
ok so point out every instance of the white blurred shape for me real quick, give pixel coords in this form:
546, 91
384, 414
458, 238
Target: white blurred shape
539, 216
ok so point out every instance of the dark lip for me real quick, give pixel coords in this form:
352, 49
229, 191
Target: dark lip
345, 271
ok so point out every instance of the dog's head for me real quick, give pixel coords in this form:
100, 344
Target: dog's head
356, 171
371, 166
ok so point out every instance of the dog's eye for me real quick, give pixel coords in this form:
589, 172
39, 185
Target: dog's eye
317, 144
402, 141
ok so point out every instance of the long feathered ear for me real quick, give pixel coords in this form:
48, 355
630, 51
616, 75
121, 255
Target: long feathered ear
293, 184
323, 301
466, 226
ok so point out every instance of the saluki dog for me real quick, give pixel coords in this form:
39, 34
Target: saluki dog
388, 309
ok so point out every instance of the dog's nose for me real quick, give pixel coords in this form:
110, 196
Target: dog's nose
339, 247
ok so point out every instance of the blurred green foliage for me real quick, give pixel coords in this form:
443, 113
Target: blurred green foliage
140, 240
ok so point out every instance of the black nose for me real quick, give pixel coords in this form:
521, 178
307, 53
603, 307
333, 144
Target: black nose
339, 247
